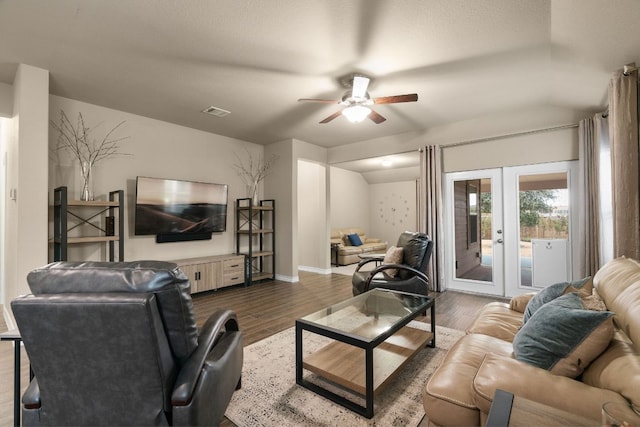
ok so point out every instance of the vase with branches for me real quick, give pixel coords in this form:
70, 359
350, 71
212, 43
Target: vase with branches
253, 170
88, 150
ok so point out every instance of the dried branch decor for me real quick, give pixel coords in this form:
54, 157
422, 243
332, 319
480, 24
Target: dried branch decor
253, 171
88, 150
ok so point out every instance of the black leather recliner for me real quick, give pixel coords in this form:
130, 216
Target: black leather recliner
117, 344
411, 276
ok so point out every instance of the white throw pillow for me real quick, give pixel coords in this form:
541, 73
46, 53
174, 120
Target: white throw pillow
393, 256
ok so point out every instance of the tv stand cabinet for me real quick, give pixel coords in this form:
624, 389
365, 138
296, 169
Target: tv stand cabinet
213, 272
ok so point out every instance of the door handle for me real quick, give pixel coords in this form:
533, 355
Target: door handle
499, 241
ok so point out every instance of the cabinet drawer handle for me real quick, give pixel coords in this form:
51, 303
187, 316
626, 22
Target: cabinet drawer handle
235, 265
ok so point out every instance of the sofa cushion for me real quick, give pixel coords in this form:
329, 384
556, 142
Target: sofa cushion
550, 293
519, 302
349, 250
354, 239
618, 283
393, 256
563, 337
530, 382
496, 319
448, 396
617, 369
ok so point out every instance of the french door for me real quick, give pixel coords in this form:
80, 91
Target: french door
509, 229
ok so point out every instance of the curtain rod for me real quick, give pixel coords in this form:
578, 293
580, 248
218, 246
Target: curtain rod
493, 138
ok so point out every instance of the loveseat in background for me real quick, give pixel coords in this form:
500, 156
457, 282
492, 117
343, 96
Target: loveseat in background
461, 390
348, 253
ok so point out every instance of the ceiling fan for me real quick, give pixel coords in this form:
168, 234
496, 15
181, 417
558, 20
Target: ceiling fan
357, 102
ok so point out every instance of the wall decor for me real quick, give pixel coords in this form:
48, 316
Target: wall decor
253, 171
79, 140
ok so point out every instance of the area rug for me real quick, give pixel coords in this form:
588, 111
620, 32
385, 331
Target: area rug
270, 396
345, 270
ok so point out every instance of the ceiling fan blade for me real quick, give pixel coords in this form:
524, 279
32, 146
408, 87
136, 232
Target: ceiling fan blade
324, 101
331, 117
376, 118
412, 97
360, 85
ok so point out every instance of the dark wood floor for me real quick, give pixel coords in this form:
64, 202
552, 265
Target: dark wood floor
265, 309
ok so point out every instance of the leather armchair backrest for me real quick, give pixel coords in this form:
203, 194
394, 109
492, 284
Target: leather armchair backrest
417, 249
164, 279
92, 353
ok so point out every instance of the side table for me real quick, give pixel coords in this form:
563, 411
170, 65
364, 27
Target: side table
14, 335
334, 253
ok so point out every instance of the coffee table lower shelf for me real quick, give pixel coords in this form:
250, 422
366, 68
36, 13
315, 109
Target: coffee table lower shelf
344, 364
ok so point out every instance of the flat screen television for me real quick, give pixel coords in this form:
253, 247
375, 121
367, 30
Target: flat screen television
176, 210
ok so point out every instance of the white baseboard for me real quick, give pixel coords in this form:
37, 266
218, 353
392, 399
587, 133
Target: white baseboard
291, 279
8, 318
314, 269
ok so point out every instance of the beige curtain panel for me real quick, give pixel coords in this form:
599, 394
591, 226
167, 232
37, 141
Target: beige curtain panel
623, 135
589, 156
431, 209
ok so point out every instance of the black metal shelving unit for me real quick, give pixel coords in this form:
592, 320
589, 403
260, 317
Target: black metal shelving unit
256, 238
109, 229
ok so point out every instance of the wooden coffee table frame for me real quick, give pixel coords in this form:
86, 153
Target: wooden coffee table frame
356, 353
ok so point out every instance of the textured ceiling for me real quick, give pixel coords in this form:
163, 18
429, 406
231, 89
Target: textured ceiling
170, 59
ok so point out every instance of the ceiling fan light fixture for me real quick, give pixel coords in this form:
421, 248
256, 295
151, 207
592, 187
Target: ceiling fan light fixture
356, 113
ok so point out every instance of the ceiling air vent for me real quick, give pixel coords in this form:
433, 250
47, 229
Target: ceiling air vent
215, 111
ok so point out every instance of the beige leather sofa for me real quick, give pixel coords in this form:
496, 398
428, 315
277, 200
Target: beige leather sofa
347, 253
461, 390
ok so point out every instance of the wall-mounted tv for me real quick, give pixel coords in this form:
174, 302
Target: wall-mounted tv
176, 210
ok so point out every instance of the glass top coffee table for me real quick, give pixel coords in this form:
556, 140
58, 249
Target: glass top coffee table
371, 343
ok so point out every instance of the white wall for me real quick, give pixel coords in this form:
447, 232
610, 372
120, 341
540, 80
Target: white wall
6, 100
280, 186
350, 205
546, 147
25, 226
5, 125
392, 210
312, 216
542, 147
155, 149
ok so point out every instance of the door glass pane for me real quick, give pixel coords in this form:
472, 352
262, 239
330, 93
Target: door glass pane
543, 228
473, 241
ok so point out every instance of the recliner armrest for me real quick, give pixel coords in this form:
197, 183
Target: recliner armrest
384, 267
218, 323
31, 398
366, 261
540, 385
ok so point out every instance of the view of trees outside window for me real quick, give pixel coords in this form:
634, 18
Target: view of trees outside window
533, 227
544, 214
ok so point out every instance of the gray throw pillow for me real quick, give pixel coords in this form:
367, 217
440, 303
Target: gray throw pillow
549, 294
563, 337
